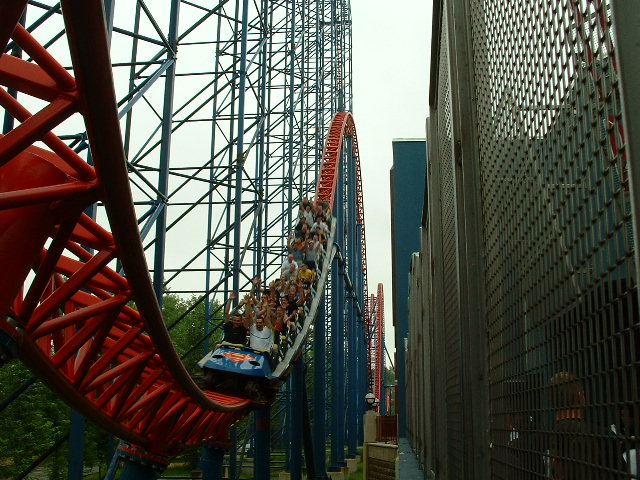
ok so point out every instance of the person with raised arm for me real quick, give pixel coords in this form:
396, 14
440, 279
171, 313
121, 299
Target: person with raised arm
236, 325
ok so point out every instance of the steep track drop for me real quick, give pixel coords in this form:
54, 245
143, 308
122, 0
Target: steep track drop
65, 311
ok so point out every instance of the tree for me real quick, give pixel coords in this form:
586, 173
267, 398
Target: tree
186, 320
35, 420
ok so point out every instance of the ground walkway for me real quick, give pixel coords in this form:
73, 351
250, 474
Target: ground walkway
409, 466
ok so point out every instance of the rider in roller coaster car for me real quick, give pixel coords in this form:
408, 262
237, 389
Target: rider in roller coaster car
237, 327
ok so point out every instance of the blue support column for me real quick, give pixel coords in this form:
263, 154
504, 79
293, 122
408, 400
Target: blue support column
262, 445
352, 307
76, 446
297, 379
260, 252
139, 464
363, 374
242, 85
233, 453
337, 336
287, 424
211, 463
319, 393
165, 153
291, 107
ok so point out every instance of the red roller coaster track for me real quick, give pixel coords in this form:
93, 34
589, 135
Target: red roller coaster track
64, 305
343, 126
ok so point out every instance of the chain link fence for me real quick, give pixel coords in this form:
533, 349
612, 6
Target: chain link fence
524, 332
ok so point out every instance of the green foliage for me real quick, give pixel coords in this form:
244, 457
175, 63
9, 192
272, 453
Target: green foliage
186, 318
36, 420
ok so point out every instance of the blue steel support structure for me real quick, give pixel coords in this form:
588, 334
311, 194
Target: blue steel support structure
319, 393
211, 463
337, 335
262, 444
237, 165
76, 446
297, 384
165, 154
363, 381
352, 308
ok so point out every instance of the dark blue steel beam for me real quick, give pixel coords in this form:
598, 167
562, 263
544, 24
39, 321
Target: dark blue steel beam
297, 384
307, 437
237, 212
337, 336
211, 463
363, 372
352, 311
290, 110
319, 393
165, 153
76, 446
262, 444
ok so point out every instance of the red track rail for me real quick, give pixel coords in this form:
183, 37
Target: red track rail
64, 305
598, 23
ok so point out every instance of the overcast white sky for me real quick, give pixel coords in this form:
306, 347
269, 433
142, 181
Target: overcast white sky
391, 45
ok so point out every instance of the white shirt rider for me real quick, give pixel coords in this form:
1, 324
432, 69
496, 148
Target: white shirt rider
260, 336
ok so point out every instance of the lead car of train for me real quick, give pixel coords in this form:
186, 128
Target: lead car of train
240, 371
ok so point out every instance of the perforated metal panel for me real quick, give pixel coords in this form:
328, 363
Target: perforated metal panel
558, 237
558, 281
451, 319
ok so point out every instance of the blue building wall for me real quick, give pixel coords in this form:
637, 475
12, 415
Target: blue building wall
407, 198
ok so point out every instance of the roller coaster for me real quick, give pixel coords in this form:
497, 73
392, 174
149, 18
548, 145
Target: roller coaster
79, 306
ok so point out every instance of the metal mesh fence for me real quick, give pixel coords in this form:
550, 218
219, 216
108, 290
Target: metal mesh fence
557, 326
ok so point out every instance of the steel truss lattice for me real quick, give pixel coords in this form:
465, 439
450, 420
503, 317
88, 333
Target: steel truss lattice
223, 113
